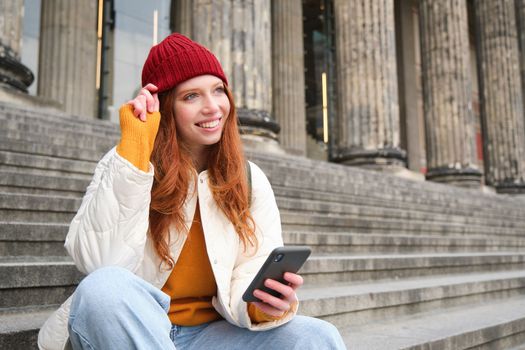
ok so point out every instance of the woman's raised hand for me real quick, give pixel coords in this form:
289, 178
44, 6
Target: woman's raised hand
275, 306
138, 136
147, 101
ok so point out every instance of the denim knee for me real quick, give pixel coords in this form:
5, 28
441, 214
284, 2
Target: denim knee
105, 287
330, 334
316, 334
115, 309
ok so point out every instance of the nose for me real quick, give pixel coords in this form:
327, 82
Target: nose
211, 105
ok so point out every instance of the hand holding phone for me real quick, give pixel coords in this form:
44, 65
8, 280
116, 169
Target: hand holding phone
280, 260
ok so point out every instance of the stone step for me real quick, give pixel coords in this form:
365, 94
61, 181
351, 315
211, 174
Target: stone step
78, 153
59, 131
72, 153
42, 208
46, 185
33, 281
37, 208
32, 239
500, 325
22, 146
329, 269
364, 193
369, 201
27, 207
30, 118
366, 243
16, 207
299, 221
22, 183
16, 182
497, 325
295, 172
31, 163
359, 211
365, 301
54, 151
19, 328
60, 139
46, 239
353, 304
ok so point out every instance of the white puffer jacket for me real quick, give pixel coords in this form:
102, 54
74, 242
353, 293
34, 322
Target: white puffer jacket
110, 229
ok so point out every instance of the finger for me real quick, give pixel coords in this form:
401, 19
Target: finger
286, 291
267, 309
137, 107
157, 103
142, 101
269, 299
151, 88
150, 102
294, 279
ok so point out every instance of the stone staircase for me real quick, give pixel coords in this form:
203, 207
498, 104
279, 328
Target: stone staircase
397, 264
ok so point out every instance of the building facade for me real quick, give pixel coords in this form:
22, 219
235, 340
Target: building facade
435, 87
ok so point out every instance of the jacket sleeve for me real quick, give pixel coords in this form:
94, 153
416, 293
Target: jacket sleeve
110, 228
269, 234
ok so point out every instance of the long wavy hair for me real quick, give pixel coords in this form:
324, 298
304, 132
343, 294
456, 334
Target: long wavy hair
174, 172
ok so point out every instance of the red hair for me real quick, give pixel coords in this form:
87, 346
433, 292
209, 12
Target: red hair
174, 171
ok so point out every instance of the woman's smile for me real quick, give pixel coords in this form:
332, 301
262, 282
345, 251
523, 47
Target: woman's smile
210, 125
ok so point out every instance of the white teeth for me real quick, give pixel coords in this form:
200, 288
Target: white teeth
209, 125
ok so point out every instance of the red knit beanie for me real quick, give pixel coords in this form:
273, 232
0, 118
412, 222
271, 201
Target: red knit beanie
176, 59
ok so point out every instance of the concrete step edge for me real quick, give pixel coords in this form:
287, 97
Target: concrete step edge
452, 328
19, 319
358, 238
350, 289
417, 200
297, 205
299, 220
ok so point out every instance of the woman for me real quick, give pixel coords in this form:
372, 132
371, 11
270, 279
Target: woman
170, 231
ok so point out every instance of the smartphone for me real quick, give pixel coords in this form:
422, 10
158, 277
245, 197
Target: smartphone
280, 260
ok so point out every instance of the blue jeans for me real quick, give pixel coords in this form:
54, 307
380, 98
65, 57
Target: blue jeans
115, 309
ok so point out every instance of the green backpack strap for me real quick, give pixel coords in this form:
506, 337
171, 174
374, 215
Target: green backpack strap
249, 178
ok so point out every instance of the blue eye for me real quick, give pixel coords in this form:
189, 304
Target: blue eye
220, 89
190, 96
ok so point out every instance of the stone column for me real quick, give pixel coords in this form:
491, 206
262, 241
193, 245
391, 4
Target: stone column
449, 119
501, 95
368, 125
239, 34
68, 55
520, 16
288, 74
12, 72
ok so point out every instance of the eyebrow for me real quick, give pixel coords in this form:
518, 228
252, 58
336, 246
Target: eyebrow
183, 92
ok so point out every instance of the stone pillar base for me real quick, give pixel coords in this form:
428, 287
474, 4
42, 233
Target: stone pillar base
466, 177
386, 159
510, 188
258, 130
13, 72
261, 143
